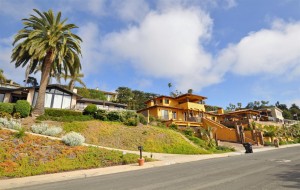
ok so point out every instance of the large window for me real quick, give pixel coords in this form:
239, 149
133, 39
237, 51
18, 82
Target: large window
2, 97
165, 114
56, 99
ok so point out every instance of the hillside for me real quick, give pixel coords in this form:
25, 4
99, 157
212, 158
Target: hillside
32, 155
117, 135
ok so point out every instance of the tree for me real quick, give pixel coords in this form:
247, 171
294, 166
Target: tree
190, 91
2, 77
264, 104
48, 42
31, 81
281, 106
239, 105
76, 77
125, 95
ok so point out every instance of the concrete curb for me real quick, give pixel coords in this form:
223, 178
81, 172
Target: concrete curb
167, 159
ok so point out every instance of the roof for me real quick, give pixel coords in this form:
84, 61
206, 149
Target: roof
242, 111
269, 109
192, 97
37, 87
101, 102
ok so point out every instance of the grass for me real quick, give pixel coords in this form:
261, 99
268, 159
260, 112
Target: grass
33, 155
116, 135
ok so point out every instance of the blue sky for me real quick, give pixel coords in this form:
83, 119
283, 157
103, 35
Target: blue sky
227, 50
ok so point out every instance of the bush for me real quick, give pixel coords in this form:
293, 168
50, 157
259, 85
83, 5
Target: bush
23, 107
90, 109
17, 115
173, 126
10, 124
101, 115
52, 131
125, 115
113, 116
39, 129
131, 122
152, 118
73, 139
5, 115
188, 132
142, 119
61, 112
6, 107
44, 129
20, 133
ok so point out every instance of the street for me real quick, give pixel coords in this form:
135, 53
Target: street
276, 169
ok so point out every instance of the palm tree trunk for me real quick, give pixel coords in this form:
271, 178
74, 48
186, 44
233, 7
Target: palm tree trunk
72, 84
39, 107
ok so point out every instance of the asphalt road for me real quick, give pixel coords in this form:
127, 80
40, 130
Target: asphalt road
276, 169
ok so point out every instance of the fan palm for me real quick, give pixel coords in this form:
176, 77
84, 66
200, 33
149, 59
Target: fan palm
2, 77
48, 42
76, 77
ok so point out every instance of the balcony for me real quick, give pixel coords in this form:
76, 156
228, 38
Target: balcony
192, 105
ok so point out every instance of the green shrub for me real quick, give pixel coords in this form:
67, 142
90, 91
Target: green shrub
152, 118
90, 109
5, 115
6, 107
113, 116
125, 115
131, 122
73, 139
142, 119
101, 115
61, 112
188, 131
17, 115
173, 126
20, 133
23, 107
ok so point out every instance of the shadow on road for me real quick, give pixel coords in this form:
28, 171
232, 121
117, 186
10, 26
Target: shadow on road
293, 175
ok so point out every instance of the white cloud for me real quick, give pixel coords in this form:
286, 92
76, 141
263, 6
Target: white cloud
273, 51
17, 9
168, 45
10, 72
131, 10
94, 7
90, 47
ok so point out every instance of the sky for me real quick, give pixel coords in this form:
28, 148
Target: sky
227, 50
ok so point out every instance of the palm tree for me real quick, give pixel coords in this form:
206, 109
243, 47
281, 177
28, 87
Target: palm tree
76, 77
2, 77
48, 42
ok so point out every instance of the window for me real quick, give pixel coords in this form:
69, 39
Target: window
66, 104
165, 114
2, 97
56, 99
48, 100
166, 101
160, 100
174, 115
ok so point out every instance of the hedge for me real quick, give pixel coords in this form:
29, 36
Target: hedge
23, 107
7, 107
61, 112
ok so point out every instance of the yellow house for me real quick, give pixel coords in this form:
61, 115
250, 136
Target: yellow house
188, 110
184, 110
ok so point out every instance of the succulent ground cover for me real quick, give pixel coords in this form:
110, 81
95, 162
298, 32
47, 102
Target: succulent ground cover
33, 155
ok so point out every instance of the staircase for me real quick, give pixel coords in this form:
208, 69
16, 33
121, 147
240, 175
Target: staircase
222, 132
